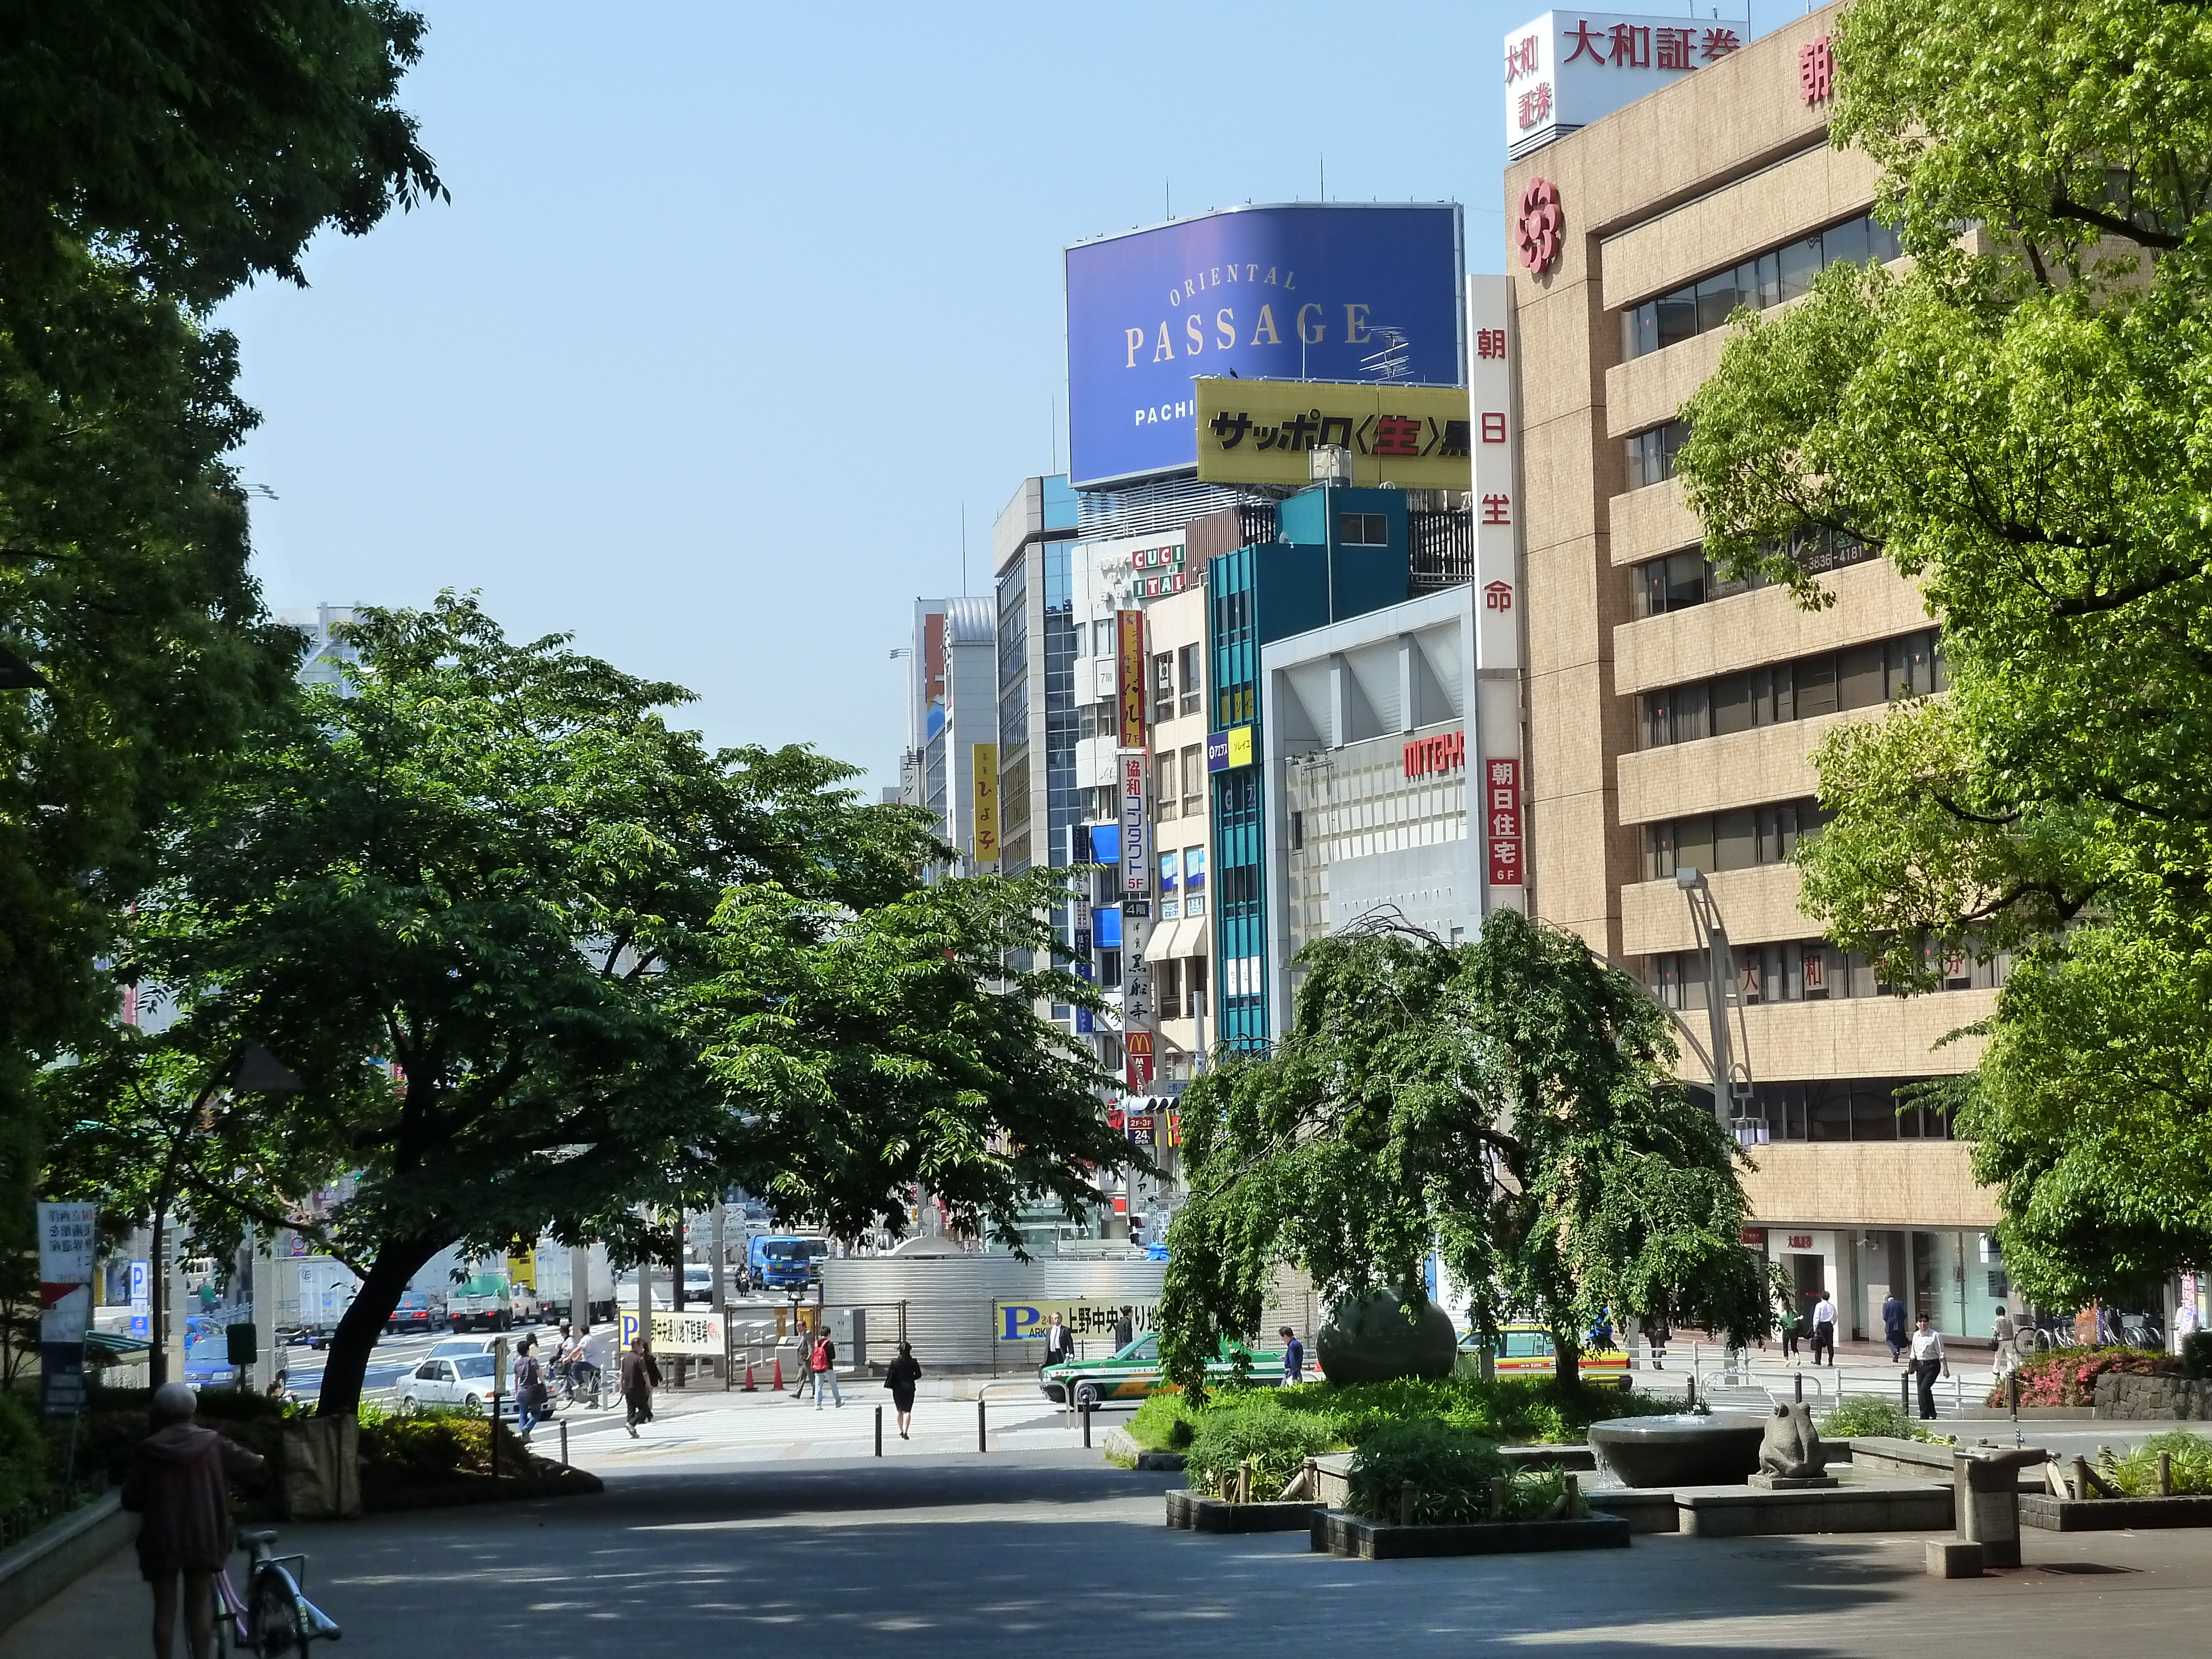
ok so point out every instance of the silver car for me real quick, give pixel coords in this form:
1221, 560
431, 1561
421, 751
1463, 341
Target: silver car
463, 1380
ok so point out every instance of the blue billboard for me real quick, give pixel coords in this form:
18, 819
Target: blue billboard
1292, 292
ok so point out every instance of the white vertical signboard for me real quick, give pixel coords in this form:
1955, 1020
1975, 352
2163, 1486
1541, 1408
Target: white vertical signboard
68, 1237
1496, 783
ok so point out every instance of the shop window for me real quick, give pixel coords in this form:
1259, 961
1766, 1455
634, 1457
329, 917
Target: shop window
1363, 530
1190, 678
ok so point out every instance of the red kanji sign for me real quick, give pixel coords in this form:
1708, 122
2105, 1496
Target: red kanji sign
1501, 788
1397, 435
1816, 69
1497, 510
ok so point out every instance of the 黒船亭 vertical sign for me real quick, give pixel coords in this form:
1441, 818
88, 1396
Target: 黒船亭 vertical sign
1129, 674
983, 758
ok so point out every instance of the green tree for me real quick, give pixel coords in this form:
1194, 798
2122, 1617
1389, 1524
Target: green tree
540, 959
1508, 1103
2018, 424
157, 158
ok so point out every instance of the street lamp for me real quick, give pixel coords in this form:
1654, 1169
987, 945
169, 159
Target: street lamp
1731, 1082
248, 1068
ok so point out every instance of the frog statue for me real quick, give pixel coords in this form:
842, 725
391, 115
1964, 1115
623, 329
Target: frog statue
1791, 1447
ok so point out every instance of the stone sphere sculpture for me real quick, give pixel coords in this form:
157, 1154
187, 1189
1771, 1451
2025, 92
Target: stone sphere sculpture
1368, 1340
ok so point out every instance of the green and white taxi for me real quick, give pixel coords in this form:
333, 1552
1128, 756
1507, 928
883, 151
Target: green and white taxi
1135, 1372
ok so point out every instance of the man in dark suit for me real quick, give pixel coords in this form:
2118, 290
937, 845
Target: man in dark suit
1059, 1342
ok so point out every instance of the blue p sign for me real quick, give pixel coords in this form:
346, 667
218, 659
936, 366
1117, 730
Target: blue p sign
1016, 1321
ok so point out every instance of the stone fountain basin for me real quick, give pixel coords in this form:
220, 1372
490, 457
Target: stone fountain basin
1686, 1448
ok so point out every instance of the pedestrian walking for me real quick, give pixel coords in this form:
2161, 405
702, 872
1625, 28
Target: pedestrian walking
179, 1485
529, 1389
1928, 1362
1294, 1357
1658, 1335
822, 1361
1059, 1342
2008, 1341
1790, 1318
900, 1376
1893, 1327
1824, 1327
639, 1377
1124, 1332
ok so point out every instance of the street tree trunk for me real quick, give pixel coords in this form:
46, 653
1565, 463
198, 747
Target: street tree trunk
1569, 1365
350, 1345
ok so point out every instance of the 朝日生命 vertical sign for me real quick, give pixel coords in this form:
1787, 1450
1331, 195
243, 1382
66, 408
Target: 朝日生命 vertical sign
1129, 674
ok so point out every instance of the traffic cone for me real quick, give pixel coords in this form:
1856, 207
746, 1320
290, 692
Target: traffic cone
751, 1387
779, 1373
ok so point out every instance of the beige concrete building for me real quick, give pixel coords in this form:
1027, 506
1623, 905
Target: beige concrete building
1179, 949
1671, 718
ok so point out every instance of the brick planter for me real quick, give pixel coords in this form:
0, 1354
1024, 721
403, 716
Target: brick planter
2112, 1513
1203, 1514
1340, 1533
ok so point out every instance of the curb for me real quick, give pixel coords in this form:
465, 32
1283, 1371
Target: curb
48, 1562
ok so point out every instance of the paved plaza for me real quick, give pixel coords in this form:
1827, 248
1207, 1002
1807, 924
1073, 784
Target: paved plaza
953, 1553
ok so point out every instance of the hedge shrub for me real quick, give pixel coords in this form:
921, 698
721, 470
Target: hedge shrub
1870, 1414
1451, 1470
437, 1444
2069, 1376
2136, 1474
1259, 1427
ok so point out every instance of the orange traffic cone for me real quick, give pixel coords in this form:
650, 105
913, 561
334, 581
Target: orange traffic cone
779, 1373
751, 1387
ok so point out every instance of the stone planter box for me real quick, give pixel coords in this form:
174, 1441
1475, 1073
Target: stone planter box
1917, 1460
49, 1561
2112, 1513
1340, 1533
1203, 1514
1123, 1452
2127, 1399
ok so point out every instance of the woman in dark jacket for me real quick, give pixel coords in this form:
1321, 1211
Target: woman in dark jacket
179, 1485
900, 1376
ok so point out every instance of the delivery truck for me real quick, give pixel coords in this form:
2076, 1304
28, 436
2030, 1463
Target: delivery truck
554, 1274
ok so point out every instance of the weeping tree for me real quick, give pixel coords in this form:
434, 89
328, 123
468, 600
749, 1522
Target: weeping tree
1507, 1103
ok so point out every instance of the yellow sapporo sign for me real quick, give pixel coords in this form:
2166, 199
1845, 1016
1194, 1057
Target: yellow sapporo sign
1418, 437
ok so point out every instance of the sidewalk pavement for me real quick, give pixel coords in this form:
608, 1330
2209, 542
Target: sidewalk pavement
946, 1558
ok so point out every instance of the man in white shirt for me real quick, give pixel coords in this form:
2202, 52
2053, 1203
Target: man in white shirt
1927, 1362
1824, 1327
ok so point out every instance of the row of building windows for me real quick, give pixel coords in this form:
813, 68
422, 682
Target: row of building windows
1730, 840
1168, 667
1182, 981
1805, 970
1651, 455
1179, 780
1847, 1109
1860, 676
1682, 579
1768, 279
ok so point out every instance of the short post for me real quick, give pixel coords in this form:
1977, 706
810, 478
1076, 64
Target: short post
1405, 1503
1690, 1392
564, 1443
1797, 1386
1905, 1392
1244, 1480
1086, 1410
2080, 1481
1573, 1493
2011, 1389
879, 1431
981, 1444
1497, 1497
2165, 1475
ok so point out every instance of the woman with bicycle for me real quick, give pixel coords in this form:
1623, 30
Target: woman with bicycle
179, 1482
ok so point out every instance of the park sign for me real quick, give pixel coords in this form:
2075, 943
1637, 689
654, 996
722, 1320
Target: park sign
1028, 1319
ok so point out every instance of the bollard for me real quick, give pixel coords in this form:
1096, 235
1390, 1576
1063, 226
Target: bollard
2080, 1481
1498, 1498
1405, 1503
1244, 1480
564, 1444
981, 1445
879, 1431
1905, 1392
1574, 1493
1087, 1411
1797, 1386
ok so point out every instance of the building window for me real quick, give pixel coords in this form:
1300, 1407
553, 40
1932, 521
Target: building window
1163, 695
1193, 881
1190, 678
1194, 982
1170, 888
1163, 784
1863, 677
1170, 982
1110, 970
1682, 579
1651, 455
1363, 530
1101, 637
1771, 278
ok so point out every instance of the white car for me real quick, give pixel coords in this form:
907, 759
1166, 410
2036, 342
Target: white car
463, 1380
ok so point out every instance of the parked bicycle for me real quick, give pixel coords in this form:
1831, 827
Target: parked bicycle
275, 1615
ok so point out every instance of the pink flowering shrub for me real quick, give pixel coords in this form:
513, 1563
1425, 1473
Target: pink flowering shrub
2069, 1377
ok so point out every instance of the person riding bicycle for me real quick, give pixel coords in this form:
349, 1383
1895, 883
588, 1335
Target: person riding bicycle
179, 1482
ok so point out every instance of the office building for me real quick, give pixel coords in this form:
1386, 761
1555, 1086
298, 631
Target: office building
952, 726
1672, 716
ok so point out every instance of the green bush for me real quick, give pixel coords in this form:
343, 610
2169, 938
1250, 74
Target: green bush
1259, 1427
1451, 1469
1870, 1414
1165, 1422
437, 1444
2196, 1353
1517, 1411
2136, 1474
2069, 1376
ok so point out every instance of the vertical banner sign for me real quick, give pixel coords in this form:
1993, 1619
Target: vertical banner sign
1137, 1060
1501, 815
67, 1237
983, 757
1133, 883
1497, 484
142, 1300
1129, 674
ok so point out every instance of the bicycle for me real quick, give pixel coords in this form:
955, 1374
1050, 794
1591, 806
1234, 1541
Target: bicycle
275, 1615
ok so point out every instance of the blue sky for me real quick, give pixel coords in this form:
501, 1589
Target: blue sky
734, 307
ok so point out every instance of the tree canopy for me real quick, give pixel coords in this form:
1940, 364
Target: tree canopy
2019, 423
540, 959
157, 159
1506, 1102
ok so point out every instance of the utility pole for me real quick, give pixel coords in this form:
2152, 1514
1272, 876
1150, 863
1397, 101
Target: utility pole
721, 1299
579, 1290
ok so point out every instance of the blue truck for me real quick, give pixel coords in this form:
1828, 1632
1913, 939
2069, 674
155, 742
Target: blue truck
784, 1261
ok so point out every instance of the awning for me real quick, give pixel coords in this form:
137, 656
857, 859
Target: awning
1174, 939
